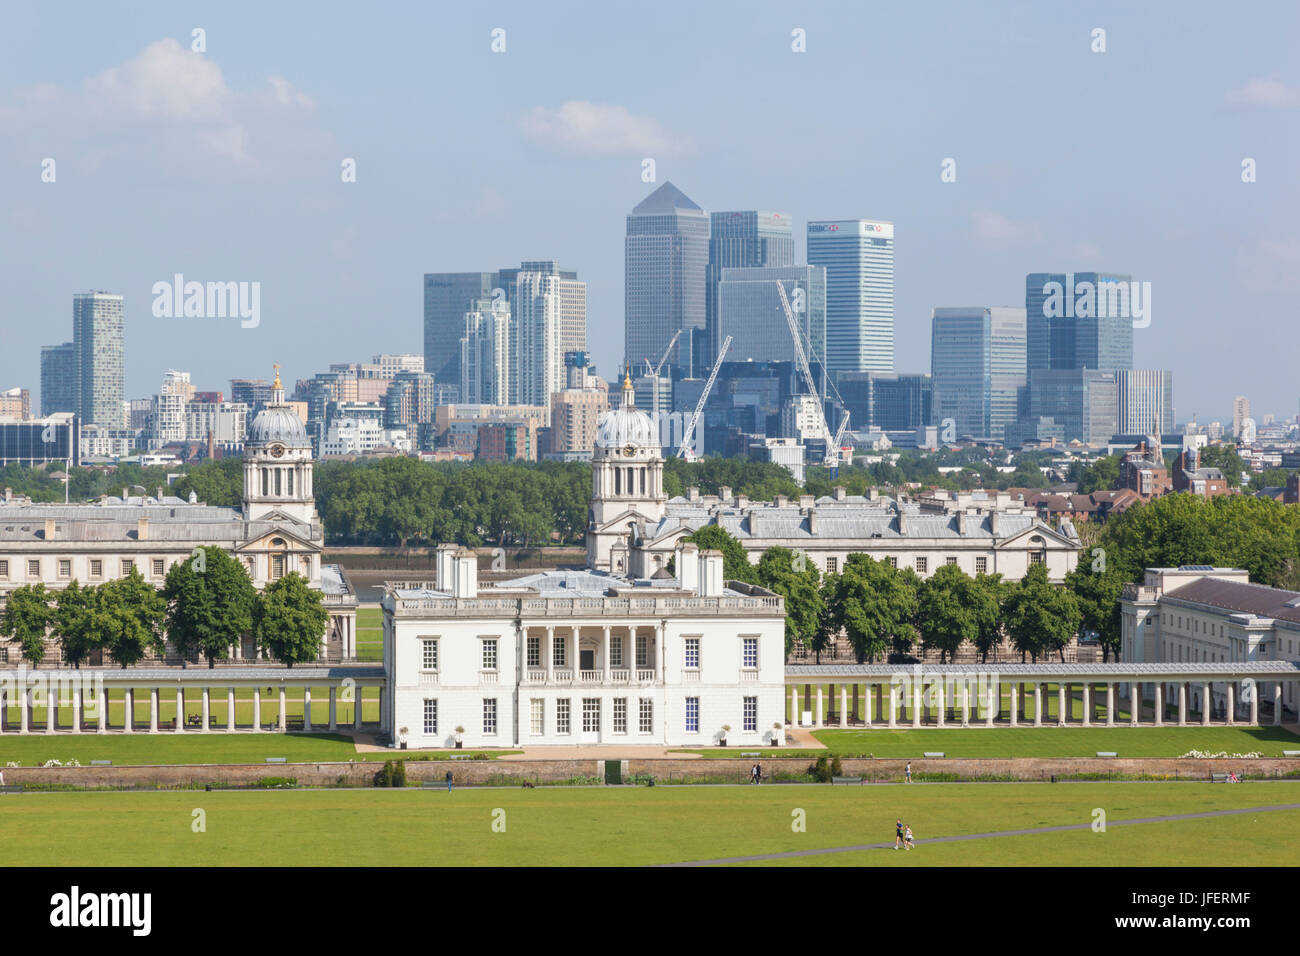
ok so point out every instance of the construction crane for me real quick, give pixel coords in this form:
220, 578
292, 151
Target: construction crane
653, 371
685, 450
832, 459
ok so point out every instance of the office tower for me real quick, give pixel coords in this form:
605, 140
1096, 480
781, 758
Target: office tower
1240, 412
572, 322
390, 365
666, 255
888, 401
548, 317
16, 403
1146, 401
409, 403
1078, 320
447, 296
485, 354
98, 336
169, 407
744, 239
575, 418
578, 370
858, 256
1083, 403
60, 380
977, 362
253, 392
749, 310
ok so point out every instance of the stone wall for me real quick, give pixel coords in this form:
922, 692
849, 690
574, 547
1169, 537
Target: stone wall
506, 773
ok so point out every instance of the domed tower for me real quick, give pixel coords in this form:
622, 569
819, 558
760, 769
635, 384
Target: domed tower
277, 463
627, 478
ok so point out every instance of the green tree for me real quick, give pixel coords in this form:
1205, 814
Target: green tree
735, 562
1040, 617
26, 619
133, 614
78, 621
210, 601
945, 616
1097, 475
1098, 594
291, 619
797, 579
875, 603
987, 595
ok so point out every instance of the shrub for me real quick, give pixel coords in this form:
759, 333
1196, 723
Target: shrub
399, 774
276, 782
837, 769
384, 776
821, 770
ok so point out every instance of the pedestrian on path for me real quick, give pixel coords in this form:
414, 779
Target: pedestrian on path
449, 781
898, 833
907, 837
907, 771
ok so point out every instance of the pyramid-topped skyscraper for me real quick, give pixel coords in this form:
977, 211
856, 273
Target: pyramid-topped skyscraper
666, 253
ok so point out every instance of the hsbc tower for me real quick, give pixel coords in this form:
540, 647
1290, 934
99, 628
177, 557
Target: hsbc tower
858, 255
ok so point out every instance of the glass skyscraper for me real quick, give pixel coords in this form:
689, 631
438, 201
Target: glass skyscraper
742, 239
858, 255
977, 361
749, 310
447, 297
666, 256
1068, 329
98, 337
60, 380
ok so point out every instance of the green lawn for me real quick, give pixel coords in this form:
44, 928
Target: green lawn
632, 826
1059, 741
370, 634
192, 748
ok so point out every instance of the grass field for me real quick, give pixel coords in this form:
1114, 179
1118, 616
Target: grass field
628, 826
370, 634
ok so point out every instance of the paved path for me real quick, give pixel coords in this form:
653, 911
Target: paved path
598, 752
794, 854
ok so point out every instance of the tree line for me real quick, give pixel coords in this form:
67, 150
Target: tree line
206, 604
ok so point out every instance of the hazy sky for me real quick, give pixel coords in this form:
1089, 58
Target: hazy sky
225, 165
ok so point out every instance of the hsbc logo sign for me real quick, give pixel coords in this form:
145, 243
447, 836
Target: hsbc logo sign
824, 227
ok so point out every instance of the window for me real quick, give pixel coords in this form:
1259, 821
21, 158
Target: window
751, 713
692, 653
832, 565
127, 567
489, 653
65, 568
620, 715
921, 565
489, 715
749, 652
429, 653
647, 715
430, 716
892, 561
537, 716
615, 652
1035, 557
557, 653
157, 567
692, 715
277, 566
591, 715
562, 716
950, 560
534, 651
981, 565
4, 569
96, 568
34, 569
642, 650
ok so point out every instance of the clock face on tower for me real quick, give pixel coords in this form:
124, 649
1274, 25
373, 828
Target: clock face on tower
277, 450
629, 450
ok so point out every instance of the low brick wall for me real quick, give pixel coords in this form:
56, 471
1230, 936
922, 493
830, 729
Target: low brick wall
484, 772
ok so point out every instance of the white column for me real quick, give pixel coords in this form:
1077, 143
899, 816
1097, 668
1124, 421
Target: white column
1134, 702
257, 709
207, 707
844, 706
1182, 703
817, 718
128, 711
1061, 704
916, 702
989, 709
1015, 696
4, 708
605, 668
1205, 703
230, 709
550, 653
941, 700
334, 713
306, 709
794, 707
103, 710
155, 708
1110, 703
76, 710
51, 708
1087, 704
1159, 703
25, 697
866, 705
894, 690
1038, 704
180, 710
1277, 702
281, 720
965, 702
1254, 705
577, 655
356, 710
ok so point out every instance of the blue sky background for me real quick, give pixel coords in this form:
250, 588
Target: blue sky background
226, 165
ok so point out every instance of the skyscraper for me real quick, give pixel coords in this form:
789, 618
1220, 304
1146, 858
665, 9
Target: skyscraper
858, 255
98, 336
548, 317
666, 255
60, 379
1146, 401
485, 354
447, 297
1240, 412
739, 240
977, 361
1078, 320
749, 310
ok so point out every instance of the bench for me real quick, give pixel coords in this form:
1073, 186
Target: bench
460, 757
293, 725
276, 759
432, 784
857, 780
934, 753
1107, 753
750, 753
101, 763
1218, 778
12, 788
1291, 753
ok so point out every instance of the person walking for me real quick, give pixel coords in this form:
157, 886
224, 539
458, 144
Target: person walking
907, 771
907, 837
753, 774
898, 833
449, 781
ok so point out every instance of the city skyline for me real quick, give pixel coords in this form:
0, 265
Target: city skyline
338, 267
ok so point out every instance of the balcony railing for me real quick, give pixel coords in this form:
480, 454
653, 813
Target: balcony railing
650, 607
487, 677
560, 675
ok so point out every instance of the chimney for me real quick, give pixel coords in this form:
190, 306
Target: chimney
840, 493
49, 529
742, 501
873, 493
806, 501
961, 521
160, 494
812, 519
465, 573
902, 522
142, 529
443, 566
711, 582
688, 566
780, 501
724, 493
693, 493
751, 518
993, 522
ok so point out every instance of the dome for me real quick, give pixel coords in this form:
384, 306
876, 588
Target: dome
277, 423
627, 425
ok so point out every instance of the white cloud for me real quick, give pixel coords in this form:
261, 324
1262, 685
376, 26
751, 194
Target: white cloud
593, 129
170, 102
1265, 94
993, 226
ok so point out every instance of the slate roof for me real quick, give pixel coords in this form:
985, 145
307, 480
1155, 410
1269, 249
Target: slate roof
1254, 599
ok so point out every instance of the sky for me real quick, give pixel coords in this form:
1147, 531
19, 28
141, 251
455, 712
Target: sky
227, 164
